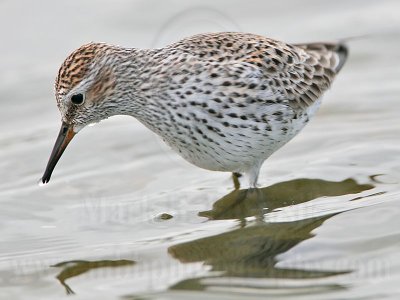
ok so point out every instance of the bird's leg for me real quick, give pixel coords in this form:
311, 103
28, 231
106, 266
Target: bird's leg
253, 175
236, 182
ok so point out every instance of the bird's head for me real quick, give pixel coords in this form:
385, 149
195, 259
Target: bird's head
85, 92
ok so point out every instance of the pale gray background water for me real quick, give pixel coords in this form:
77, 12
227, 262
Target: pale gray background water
328, 226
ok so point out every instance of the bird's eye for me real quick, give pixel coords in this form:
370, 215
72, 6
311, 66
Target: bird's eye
77, 99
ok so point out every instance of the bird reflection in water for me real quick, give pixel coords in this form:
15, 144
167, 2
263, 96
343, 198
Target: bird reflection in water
240, 204
251, 250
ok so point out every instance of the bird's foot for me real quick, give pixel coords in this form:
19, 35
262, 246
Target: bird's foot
236, 182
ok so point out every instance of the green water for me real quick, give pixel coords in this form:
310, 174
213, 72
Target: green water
126, 218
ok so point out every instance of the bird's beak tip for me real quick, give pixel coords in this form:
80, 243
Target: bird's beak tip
64, 137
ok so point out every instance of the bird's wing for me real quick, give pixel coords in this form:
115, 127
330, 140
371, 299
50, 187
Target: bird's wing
300, 73
259, 67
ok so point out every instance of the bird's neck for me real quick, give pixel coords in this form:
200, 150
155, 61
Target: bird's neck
136, 74
142, 81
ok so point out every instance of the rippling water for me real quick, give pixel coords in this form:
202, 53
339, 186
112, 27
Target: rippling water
125, 218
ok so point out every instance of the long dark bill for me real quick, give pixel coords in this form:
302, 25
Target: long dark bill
64, 137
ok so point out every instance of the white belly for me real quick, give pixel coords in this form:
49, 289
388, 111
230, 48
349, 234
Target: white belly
238, 147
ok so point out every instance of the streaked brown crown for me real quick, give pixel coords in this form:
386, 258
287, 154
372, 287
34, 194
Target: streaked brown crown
75, 67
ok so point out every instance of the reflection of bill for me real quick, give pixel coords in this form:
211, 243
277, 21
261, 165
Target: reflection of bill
185, 23
75, 268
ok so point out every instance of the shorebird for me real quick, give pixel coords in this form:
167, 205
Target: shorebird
223, 101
